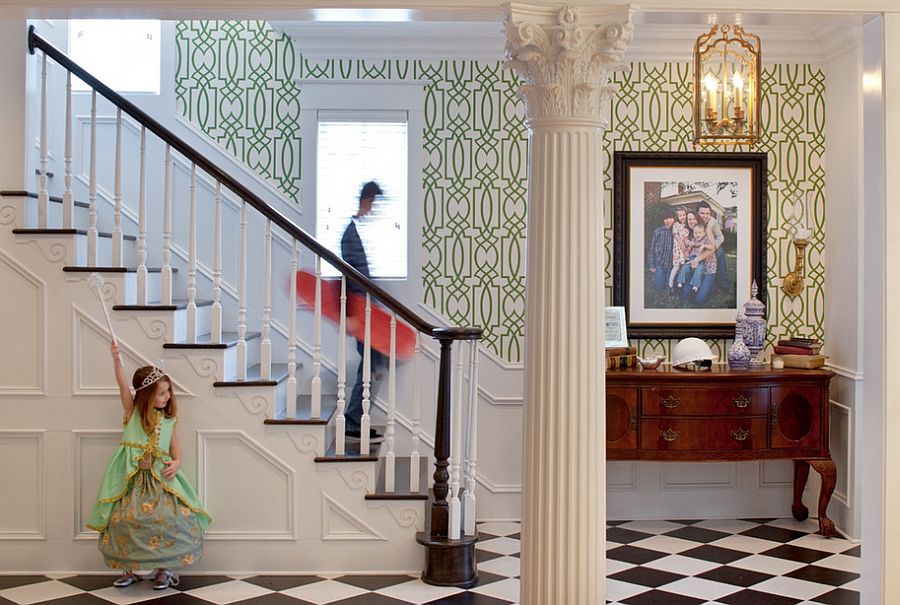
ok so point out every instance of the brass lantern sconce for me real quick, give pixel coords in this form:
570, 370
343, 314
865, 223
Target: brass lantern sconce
792, 284
726, 86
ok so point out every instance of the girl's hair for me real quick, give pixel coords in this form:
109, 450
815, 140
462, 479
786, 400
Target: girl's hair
143, 398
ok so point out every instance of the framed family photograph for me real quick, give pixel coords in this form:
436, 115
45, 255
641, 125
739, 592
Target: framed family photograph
689, 238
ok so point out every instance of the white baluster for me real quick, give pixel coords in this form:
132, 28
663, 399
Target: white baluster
365, 421
43, 196
471, 442
242, 298
292, 342
453, 532
389, 460
265, 346
142, 223
414, 461
316, 385
68, 199
165, 275
215, 314
191, 321
340, 423
92, 188
117, 259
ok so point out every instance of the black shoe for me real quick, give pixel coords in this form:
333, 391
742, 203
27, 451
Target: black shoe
374, 436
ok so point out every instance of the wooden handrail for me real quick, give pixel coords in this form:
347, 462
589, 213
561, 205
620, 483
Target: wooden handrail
184, 148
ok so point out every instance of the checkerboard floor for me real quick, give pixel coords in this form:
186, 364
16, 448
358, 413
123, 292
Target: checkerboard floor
713, 562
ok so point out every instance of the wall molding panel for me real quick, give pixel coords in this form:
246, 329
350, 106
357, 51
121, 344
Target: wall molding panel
23, 468
25, 323
675, 476
338, 523
91, 450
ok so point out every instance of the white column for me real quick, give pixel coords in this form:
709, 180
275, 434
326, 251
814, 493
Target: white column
565, 57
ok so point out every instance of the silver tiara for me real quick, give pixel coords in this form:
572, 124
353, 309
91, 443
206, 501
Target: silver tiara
153, 377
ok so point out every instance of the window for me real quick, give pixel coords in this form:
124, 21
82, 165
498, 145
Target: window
123, 54
353, 148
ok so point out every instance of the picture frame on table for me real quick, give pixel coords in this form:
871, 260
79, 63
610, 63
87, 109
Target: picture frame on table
616, 330
689, 238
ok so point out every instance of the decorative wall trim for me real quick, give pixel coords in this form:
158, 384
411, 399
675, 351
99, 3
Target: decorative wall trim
666, 484
78, 438
39, 389
847, 440
846, 372
763, 471
204, 437
631, 485
40, 531
351, 527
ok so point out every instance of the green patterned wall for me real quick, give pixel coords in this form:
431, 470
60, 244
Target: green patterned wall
474, 172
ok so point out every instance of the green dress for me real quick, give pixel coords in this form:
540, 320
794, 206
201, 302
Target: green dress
145, 520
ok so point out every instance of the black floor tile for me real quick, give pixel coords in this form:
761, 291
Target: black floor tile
823, 575
753, 597
84, 598
856, 551
646, 576
775, 534
838, 596
485, 578
8, 602
660, 597
625, 536
192, 582
469, 598
633, 554
697, 534
619, 522
716, 554
735, 575
517, 536
485, 555
760, 520
89, 582
796, 553
370, 598
685, 521
186, 599
374, 582
282, 582
14, 581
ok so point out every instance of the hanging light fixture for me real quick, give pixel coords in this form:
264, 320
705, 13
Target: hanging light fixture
726, 85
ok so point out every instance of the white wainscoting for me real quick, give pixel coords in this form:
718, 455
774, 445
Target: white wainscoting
25, 325
24, 516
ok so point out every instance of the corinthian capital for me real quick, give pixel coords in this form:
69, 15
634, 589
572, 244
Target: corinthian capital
566, 55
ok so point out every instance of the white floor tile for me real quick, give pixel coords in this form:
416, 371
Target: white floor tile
745, 544
617, 590
685, 566
417, 591
854, 585
40, 591
504, 589
700, 588
613, 566
793, 587
652, 527
732, 526
769, 565
665, 544
502, 566
500, 528
503, 546
842, 562
833, 545
809, 525
228, 592
325, 591
142, 591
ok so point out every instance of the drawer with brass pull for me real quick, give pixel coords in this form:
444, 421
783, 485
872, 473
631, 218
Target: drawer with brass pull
706, 434
729, 401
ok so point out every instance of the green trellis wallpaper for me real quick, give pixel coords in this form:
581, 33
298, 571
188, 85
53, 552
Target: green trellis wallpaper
235, 82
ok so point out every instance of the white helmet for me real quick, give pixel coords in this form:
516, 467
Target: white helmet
691, 350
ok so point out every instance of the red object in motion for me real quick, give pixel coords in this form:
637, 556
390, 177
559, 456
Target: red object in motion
380, 330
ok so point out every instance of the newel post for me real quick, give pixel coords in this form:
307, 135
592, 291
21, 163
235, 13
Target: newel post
565, 57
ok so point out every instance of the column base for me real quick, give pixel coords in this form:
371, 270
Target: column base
449, 562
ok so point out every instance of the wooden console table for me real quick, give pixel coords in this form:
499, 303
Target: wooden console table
677, 415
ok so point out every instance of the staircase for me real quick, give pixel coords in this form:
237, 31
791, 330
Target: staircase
262, 385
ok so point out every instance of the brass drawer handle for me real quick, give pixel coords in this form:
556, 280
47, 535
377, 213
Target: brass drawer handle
741, 402
670, 402
669, 434
740, 434
634, 423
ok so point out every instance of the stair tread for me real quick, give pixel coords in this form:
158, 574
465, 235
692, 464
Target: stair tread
351, 449
304, 411
176, 305
229, 339
401, 480
103, 269
53, 198
107, 234
279, 373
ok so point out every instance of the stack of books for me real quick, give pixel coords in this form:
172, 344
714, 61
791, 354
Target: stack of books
798, 346
798, 352
620, 357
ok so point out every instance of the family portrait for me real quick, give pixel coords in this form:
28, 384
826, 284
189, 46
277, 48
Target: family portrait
688, 239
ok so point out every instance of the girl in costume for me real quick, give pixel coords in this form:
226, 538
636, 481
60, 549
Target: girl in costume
148, 515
